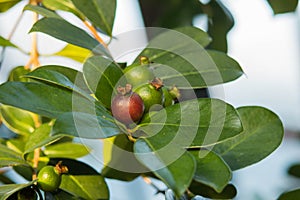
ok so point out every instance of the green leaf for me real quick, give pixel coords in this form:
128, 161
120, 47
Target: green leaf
211, 170
74, 52
263, 133
294, 170
4, 42
69, 33
39, 138
66, 150
193, 123
17, 120
85, 186
100, 12
25, 171
187, 64
283, 6
174, 167
85, 125
9, 189
229, 192
65, 5
17, 144
122, 165
42, 11
45, 100
7, 4
9, 157
291, 195
61, 195
16, 74
102, 75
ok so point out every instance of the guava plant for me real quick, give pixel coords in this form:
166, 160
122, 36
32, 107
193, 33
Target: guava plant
137, 109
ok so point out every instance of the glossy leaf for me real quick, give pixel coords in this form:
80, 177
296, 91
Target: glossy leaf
229, 192
9, 189
16, 74
100, 12
25, 171
9, 157
102, 75
74, 52
291, 195
174, 167
85, 186
17, 120
193, 123
7, 4
46, 100
187, 64
65, 5
263, 133
4, 42
69, 33
283, 6
39, 138
85, 125
42, 11
66, 150
17, 144
211, 170
122, 164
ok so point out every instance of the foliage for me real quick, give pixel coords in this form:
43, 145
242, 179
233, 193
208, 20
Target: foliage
193, 146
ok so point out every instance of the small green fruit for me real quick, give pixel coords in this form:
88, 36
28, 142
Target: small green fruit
168, 99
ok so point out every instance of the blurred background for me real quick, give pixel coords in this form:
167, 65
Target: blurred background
267, 46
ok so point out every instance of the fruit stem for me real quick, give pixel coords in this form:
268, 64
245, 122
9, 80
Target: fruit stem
37, 151
61, 169
95, 34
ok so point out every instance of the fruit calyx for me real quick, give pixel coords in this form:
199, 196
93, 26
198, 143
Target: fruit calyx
157, 83
61, 169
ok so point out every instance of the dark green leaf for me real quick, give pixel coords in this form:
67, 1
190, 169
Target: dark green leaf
65, 5
7, 4
17, 120
279, 6
9, 189
67, 32
9, 157
100, 12
85, 125
102, 75
61, 195
66, 150
263, 132
25, 171
74, 52
16, 74
211, 170
292, 195
229, 192
175, 167
46, 100
4, 42
42, 11
122, 164
194, 123
39, 138
187, 64
85, 186
294, 170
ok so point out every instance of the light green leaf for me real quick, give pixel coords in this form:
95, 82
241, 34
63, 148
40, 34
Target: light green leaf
100, 12
175, 171
6, 43
17, 120
65, 5
85, 186
7, 4
291, 195
9, 189
74, 52
16, 74
42, 11
67, 32
102, 75
192, 124
279, 6
211, 170
85, 125
187, 64
9, 157
263, 132
66, 150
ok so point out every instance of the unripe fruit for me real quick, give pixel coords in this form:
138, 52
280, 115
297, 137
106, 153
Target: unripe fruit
168, 99
151, 94
139, 74
127, 106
